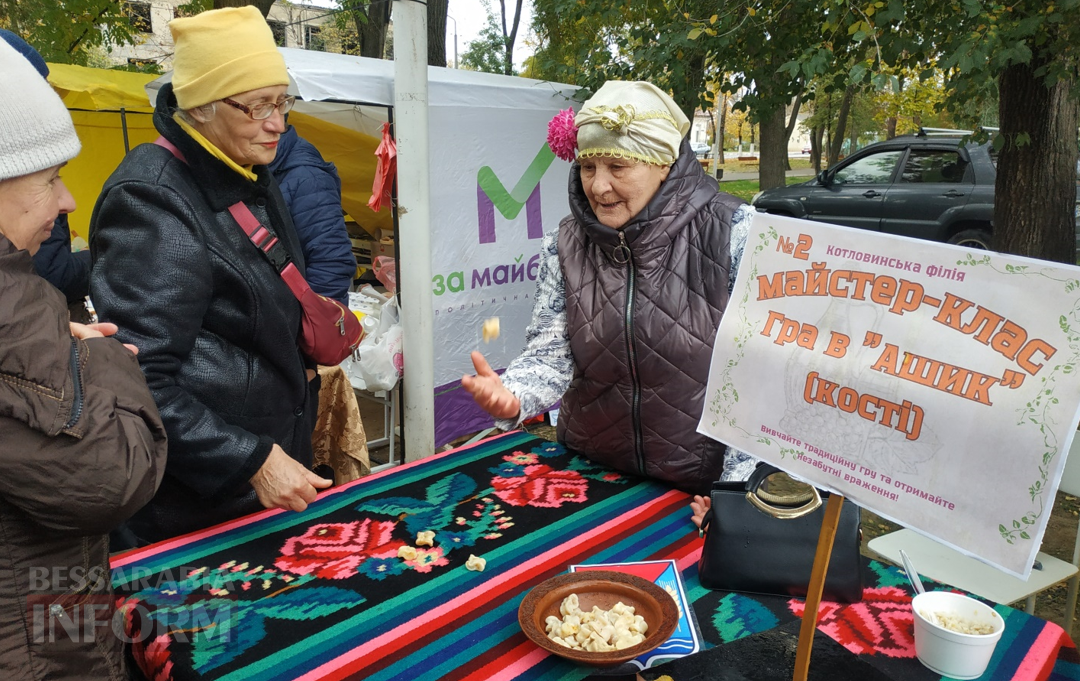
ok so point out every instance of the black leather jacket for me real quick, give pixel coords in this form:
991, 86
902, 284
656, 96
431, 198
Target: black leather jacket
215, 325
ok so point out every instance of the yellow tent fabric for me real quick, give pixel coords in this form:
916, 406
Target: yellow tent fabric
102, 101
98, 89
95, 97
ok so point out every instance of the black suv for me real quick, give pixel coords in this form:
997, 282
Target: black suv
926, 186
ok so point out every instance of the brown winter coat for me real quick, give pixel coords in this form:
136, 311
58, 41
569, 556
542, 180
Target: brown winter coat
81, 448
641, 328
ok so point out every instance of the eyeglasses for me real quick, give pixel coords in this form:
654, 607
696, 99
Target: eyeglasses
261, 112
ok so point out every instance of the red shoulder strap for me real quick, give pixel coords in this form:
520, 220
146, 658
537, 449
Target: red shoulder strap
259, 235
166, 144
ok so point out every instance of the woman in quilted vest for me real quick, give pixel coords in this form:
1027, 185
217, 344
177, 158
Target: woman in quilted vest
630, 291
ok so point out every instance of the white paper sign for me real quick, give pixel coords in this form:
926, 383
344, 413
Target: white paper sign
934, 385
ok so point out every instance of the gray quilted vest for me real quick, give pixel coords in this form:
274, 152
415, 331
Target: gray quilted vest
641, 321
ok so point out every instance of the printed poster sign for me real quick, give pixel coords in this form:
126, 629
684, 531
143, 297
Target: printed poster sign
931, 384
493, 196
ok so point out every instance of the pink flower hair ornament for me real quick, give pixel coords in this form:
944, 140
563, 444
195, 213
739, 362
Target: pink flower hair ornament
562, 135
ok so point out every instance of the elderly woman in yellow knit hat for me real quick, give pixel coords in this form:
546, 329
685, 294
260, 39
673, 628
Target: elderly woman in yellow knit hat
216, 325
630, 291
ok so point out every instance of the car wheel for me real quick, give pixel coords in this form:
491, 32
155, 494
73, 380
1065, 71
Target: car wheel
972, 238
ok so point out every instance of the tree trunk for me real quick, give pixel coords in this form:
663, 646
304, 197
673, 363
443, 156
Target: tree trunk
815, 147
371, 20
686, 92
773, 151
262, 5
836, 140
1035, 193
436, 32
795, 106
722, 132
509, 37
890, 127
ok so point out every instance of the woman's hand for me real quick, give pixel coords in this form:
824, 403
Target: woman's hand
487, 389
700, 506
282, 482
84, 331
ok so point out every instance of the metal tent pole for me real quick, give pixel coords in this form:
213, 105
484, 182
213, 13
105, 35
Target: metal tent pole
414, 219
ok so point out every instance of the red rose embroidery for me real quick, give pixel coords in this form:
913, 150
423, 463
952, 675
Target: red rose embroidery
336, 550
542, 486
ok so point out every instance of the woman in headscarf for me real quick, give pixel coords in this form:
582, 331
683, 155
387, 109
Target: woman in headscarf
630, 291
81, 443
216, 325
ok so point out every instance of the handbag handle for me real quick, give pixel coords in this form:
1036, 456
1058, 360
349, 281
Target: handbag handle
775, 505
764, 501
784, 512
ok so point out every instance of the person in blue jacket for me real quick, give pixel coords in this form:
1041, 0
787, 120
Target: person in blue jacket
312, 191
54, 261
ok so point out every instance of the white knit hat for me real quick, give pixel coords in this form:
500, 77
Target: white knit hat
36, 131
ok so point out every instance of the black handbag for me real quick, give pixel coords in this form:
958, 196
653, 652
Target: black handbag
758, 542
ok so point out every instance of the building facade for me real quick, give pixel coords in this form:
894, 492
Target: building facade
294, 25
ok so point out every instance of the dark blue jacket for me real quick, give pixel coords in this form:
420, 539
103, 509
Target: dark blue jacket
67, 271
312, 190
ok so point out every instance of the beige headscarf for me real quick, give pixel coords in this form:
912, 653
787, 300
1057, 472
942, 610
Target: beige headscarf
632, 120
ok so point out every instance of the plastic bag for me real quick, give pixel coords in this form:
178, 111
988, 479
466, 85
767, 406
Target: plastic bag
379, 362
385, 270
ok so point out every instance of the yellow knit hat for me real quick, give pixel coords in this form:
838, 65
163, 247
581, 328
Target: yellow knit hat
221, 53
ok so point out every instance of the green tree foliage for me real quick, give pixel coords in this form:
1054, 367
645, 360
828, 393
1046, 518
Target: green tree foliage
588, 43
493, 49
1026, 54
487, 52
68, 32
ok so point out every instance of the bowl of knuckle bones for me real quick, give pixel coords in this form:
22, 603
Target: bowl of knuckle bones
955, 635
600, 618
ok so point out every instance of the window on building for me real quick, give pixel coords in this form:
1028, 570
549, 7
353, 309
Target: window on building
278, 29
138, 14
313, 40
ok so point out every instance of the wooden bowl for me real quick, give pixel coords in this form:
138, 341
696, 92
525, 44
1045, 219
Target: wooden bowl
603, 588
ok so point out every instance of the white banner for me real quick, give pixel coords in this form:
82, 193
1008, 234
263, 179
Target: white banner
933, 385
495, 192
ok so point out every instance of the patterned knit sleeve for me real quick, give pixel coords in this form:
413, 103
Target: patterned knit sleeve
740, 230
738, 465
542, 373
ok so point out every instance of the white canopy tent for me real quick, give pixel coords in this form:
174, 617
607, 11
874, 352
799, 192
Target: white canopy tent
495, 188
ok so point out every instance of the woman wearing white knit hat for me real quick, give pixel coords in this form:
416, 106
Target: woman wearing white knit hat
83, 445
630, 291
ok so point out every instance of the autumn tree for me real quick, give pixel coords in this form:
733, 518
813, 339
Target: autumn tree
1028, 50
371, 18
493, 49
587, 44
68, 32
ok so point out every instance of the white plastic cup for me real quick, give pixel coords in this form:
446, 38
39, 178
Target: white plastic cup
951, 653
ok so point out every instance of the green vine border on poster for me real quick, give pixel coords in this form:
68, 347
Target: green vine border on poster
1037, 412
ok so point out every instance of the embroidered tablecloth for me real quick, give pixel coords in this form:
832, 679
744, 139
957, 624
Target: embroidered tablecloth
324, 594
